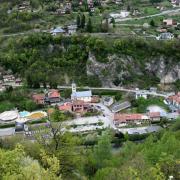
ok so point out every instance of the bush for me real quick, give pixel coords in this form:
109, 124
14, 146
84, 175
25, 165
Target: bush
176, 125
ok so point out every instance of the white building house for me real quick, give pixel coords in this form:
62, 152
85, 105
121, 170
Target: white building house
120, 15
124, 13
165, 36
141, 94
107, 100
85, 96
175, 3
57, 31
72, 29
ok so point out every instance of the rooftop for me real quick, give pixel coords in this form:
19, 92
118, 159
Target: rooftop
38, 96
129, 117
118, 107
154, 114
9, 115
58, 30
107, 98
53, 93
82, 94
175, 98
78, 102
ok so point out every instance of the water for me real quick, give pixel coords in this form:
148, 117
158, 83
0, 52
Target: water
24, 113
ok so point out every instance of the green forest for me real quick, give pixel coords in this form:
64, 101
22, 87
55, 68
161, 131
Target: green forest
92, 156
43, 59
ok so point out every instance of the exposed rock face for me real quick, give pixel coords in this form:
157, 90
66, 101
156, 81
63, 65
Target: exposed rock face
166, 72
124, 67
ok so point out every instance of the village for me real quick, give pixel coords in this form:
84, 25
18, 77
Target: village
89, 89
159, 21
84, 112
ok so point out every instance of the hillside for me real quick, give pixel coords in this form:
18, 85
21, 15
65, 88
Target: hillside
44, 59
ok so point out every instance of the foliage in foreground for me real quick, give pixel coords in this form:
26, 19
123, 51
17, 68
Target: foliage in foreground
158, 157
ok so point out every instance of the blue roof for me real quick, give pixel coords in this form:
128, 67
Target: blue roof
82, 94
58, 30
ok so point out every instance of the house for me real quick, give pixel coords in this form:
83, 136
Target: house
18, 80
161, 30
154, 116
120, 106
124, 13
57, 31
90, 3
174, 100
19, 127
61, 11
85, 96
118, 1
95, 99
38, 98
71, 29
175, 3
136, 12
153, 89
120, 119
169, 22
68, 8
24, 6
8, 78
52, 96
67, 106
107, 100
173, 115
165, 36
141, 94
80, 106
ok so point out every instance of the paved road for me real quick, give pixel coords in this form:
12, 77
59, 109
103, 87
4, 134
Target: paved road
160, 94
16, 34
7, 132
154, 15
22, 33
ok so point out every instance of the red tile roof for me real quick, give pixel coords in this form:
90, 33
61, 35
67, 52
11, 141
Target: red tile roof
65, 107
38, 97
127, 117
54, 93
175, 98
78, 102
154, 114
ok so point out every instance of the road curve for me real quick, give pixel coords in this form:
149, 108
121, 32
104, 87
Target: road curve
160, 94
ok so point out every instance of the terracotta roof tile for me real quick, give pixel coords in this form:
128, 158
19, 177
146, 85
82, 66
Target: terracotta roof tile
54, 94
127, 117
154, 114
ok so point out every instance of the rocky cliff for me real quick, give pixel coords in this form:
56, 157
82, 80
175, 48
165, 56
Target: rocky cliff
121, 69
